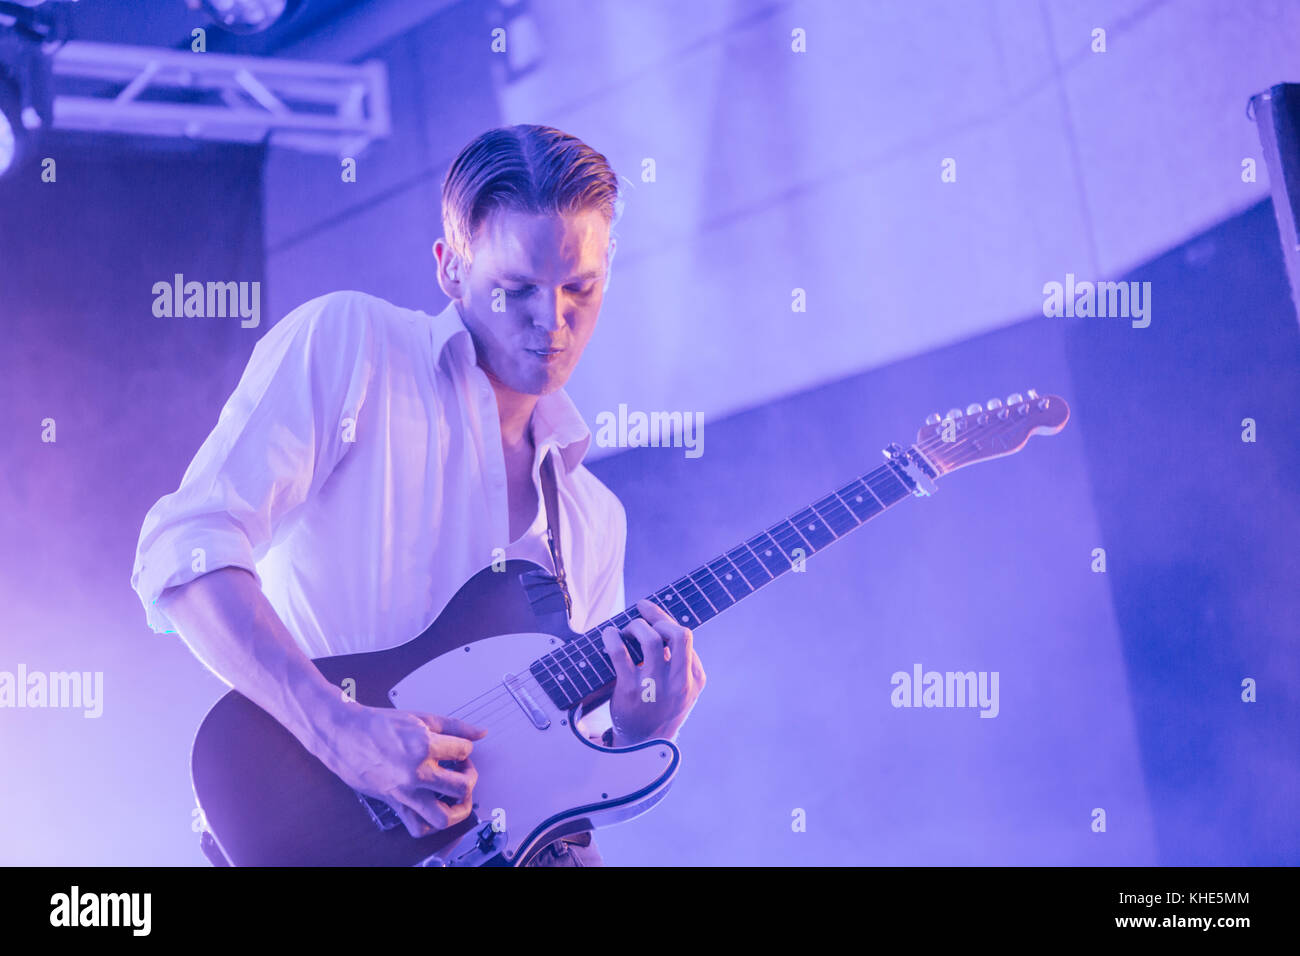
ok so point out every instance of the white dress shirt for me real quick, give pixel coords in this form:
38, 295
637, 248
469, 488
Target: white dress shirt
357, 471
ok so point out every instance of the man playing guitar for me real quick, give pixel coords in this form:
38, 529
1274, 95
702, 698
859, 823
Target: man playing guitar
373, 458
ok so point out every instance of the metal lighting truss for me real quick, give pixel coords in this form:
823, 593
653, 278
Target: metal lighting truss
313, 107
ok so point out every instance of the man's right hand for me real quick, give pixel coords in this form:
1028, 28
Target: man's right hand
396, 755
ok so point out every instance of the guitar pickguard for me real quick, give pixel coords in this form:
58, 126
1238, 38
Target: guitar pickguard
539, 778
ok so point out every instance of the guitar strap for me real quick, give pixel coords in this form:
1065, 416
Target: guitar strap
551, 497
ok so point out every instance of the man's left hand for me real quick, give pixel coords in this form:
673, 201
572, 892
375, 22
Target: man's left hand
652, 700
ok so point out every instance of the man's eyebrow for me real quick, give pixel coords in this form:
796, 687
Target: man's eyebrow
512, 277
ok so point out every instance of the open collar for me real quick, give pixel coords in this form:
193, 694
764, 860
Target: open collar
556, 421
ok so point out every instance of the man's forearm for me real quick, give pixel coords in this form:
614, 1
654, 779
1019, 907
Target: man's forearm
228, 623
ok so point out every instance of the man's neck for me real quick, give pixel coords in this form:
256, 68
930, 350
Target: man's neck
516, 411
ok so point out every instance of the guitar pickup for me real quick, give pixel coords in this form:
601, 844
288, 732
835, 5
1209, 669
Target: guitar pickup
527, 703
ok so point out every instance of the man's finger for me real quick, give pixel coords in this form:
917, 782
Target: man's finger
618, 655
453, 727
697, 669
448, 781
650, 640
652, 612
414, 823
437, 814
445, 747
678, 646
458, 812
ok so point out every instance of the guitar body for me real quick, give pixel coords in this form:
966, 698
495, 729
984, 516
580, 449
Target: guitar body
268, 802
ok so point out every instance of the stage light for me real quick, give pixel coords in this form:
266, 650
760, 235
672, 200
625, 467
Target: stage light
27, 35
8, 144
249, 16
12, 134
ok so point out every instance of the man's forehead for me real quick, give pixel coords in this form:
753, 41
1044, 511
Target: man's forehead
518, 245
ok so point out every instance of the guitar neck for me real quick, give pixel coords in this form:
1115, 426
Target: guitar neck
581, 667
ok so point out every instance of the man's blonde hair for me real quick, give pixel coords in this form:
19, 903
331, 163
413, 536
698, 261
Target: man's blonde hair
536, 170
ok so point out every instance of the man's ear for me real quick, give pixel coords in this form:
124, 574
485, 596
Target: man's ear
451, 270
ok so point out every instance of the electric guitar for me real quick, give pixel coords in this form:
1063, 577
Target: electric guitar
501, 655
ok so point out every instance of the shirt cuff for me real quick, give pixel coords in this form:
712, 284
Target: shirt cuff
173, 562
595, 722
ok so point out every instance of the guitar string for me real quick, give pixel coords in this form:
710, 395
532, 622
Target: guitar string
515, 719
504, 698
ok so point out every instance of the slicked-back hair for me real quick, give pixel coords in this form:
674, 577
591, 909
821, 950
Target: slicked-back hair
537, 170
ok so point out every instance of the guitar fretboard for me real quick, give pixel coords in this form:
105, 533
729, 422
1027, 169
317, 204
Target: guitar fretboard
581, 667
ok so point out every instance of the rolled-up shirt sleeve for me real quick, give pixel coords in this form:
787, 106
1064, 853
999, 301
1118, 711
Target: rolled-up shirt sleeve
281, 433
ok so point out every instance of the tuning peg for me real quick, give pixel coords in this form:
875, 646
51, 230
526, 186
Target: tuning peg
954, 413
1015, 398
974, 408
1032, 394
933, 418
994, 404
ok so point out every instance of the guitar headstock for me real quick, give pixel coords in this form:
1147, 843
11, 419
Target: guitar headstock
991, 430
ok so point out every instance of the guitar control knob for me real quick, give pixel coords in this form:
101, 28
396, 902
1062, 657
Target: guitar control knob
933, 418
1032, 394
1015, 398
954, 413
993, 404
974, 408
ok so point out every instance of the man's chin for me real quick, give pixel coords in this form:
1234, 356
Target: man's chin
539, 385
549, 380
552, 384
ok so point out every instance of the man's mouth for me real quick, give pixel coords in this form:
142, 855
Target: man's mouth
545, 353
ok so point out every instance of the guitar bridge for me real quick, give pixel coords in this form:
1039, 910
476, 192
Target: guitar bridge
381, 814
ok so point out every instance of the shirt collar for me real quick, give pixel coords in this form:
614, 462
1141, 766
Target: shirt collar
556, 422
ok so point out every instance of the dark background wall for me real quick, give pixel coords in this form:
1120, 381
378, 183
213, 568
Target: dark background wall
132, 396
1119, 690
1202, 531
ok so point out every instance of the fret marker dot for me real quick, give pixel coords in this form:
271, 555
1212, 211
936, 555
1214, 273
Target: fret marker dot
767, 553
812, 527
685, 618
728, 577
859, 498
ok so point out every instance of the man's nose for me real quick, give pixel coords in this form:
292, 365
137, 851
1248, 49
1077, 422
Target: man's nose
550, 312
